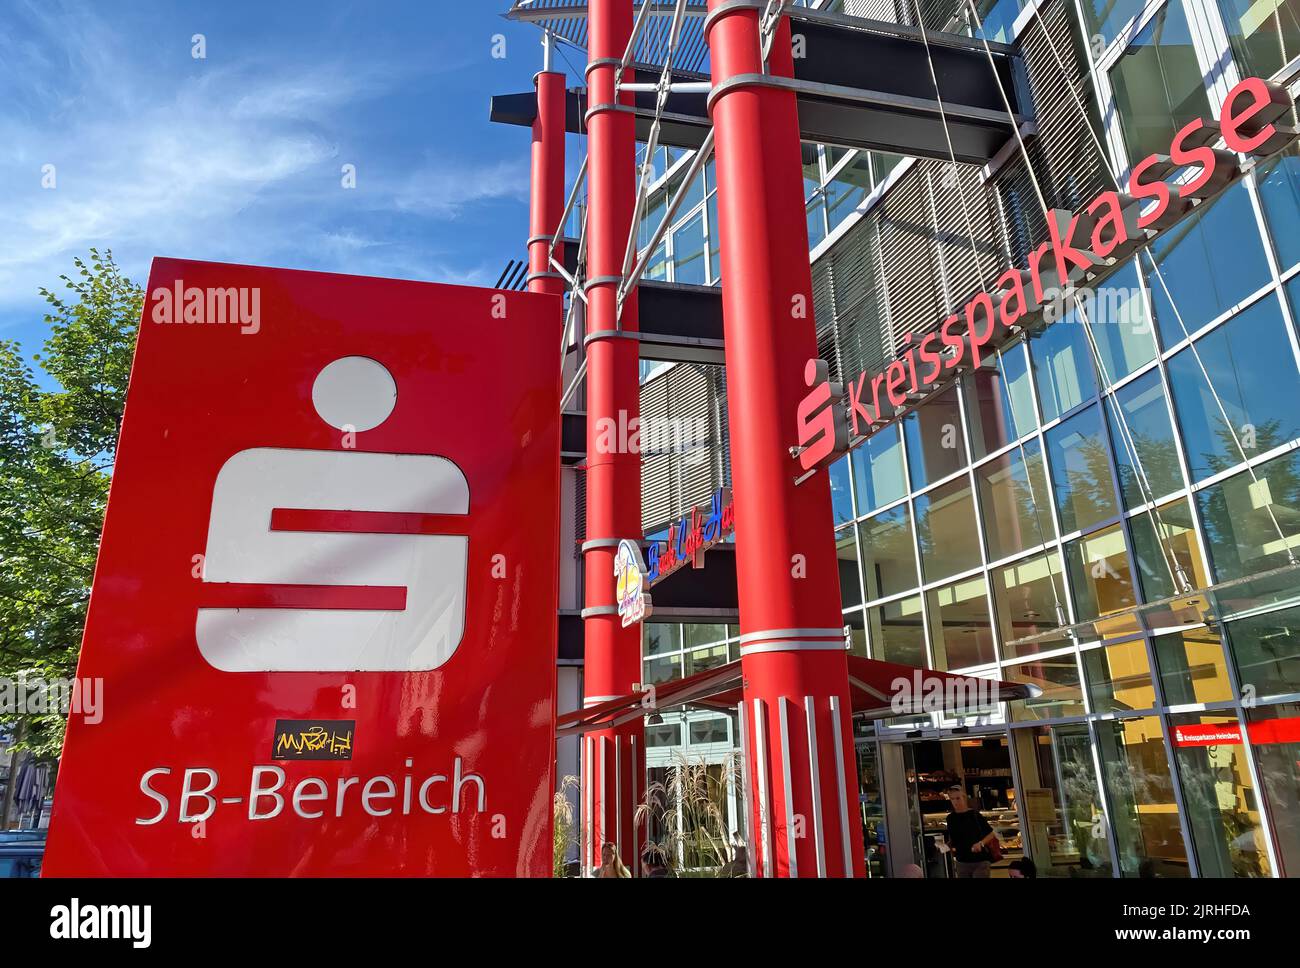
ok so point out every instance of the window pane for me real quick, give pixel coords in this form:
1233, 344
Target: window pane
1242, 518
1058, 760
664, 734
856, 623
688, 251
715, 248
694, 194
994, 421
1208, 263
1063, 370
1253, 372
711, 730
1058, 678
1265, 34
878, 477
707, 658
888, 558
1013, 364
1085, 492
945, 526
1178, 538
661, 670
1014, 502
662, 637
1108, 17
847, 189
658, 267
1099, 574
960, 630
841, 498
1135, 774
934, 442
997, 19
655, 207
1157, 83
846, 544
1275, 737
1266, 650
1144, 440
884, 163
704, 633
1192, 668
897, 634
816, 221
1120, 323
1025, 595
1279, 192
1119, 677
1222, 806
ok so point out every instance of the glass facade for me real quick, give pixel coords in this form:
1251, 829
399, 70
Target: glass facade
1110, 461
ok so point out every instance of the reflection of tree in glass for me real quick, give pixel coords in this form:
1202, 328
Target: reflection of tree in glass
1235, 525
1083, 829
1088, 488
1158, 458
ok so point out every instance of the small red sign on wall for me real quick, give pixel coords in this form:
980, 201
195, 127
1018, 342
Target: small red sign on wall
324, 607
1208, 734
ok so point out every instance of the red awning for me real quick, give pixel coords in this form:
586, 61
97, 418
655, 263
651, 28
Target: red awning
878, 690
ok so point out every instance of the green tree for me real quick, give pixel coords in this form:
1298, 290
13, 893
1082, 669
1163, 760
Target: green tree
56, 457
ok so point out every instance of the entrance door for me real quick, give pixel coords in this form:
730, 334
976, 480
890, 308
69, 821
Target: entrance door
916, 777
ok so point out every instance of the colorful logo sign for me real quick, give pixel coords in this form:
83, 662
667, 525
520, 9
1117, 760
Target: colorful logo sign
1108, 230
694, 534
630, 583
317, 611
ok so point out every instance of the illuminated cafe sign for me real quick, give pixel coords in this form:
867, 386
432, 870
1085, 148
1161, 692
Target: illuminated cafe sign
692, 535
630, 583
1080, 245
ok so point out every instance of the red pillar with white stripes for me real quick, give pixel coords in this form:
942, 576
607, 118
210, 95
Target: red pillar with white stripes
613, 767
546, 196
796, 716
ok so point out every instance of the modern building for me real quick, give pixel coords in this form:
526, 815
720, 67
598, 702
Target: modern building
1106, 508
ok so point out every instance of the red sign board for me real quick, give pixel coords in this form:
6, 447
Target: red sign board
325, 630
1208, 734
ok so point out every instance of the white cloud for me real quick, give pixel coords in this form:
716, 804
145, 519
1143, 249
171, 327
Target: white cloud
230, 162
444, 191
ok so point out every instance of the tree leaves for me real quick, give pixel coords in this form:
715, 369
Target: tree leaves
56, 454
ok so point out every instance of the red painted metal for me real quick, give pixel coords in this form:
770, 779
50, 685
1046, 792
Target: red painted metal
476, 385
365, 522
613, 653
547, 187
788, 578
343, 597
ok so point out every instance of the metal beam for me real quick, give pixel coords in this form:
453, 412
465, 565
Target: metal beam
860, 84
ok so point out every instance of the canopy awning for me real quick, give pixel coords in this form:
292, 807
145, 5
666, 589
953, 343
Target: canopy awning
877, 689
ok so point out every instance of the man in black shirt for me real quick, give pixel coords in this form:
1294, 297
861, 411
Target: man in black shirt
968, 834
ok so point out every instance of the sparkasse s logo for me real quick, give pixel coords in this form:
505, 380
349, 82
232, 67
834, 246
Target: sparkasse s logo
102, 922
823, 428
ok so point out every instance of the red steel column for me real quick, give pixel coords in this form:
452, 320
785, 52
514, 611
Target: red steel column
614, 757
796, 712
546, 202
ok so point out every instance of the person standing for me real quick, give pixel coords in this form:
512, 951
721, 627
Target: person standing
611, 865
968, 834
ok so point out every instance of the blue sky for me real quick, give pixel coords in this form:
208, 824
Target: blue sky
238, 156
